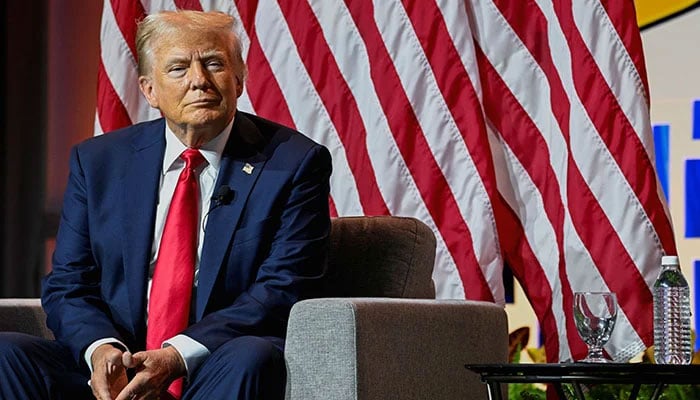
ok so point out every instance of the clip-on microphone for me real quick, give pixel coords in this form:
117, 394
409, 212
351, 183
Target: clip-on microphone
222, 197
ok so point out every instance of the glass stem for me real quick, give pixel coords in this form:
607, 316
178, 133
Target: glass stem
595, 352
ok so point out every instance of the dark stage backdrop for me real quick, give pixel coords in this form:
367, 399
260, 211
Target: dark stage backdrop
50, 52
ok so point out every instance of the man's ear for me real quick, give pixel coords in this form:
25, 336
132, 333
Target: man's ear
239, 87
149, 92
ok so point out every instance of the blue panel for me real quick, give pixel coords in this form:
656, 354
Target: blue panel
696, 309
661, 149
696, 120
692, 198
508, 284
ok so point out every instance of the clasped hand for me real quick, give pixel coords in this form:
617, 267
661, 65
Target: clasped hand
155, 369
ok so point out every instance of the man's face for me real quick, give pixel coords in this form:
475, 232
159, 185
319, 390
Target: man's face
193, 80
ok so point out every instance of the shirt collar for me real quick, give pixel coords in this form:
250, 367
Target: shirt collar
212, 150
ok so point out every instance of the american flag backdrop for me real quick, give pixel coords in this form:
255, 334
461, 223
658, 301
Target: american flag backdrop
518, 130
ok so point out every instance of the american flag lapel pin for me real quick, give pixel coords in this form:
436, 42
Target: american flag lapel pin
248, 169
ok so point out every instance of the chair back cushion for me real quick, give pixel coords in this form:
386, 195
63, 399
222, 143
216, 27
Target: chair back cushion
383, 256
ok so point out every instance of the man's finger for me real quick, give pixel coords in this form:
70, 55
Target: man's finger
134, 360
101, 392
107, 364
126, 359
136, 389
99, 381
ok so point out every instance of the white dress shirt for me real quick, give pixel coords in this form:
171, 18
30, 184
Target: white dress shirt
193, 352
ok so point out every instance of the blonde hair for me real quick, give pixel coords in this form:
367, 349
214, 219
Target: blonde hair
158, 25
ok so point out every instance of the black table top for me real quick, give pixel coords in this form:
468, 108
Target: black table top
583, 372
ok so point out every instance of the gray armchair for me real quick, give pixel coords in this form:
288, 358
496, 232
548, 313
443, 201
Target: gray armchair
382, 335
379, 334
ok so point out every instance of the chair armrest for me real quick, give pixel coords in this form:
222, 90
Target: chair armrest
24, 315
382, 348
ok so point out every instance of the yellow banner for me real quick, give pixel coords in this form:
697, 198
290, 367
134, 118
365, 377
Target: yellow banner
651, 11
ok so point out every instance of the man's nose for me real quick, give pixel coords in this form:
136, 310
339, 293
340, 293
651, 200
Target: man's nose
199, 76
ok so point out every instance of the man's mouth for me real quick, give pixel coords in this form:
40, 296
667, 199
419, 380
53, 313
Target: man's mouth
206, 101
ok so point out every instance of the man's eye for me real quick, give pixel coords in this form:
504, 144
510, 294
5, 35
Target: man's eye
214, 64
177, 71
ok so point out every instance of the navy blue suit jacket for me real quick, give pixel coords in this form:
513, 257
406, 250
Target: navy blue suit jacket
261, 253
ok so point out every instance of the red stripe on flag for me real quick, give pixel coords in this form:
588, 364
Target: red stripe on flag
110, 109
624, 18
456, 87
526, 268
593, 226
127, 14
431, 182
332, 208
263, 89
531, 150
610, 256
188, 5
528, 23
337, 99
614, 128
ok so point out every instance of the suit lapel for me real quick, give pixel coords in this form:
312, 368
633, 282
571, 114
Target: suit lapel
141, 183
241, 164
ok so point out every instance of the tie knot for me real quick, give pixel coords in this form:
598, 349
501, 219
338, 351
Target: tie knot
193, 158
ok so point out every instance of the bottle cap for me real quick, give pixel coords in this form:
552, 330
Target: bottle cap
670, 260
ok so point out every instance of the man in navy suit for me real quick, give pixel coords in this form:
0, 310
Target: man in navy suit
262, 242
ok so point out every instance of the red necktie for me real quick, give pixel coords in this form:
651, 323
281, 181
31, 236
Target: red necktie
171, 288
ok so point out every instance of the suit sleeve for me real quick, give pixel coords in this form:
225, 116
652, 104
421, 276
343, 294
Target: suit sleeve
71, 296
294, 267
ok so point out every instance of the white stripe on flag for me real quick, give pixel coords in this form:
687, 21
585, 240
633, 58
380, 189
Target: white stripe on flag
306, 107
610, 54
120, 66
442, 135
393, 177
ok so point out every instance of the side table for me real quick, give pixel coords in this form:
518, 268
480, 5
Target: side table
636, 374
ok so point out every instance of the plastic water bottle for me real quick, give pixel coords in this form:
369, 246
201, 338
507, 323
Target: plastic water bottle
672, 343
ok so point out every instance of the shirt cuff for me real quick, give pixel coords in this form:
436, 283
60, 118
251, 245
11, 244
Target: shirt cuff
191, 351
91, 349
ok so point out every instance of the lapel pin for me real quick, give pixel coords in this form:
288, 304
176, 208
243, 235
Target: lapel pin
248, 169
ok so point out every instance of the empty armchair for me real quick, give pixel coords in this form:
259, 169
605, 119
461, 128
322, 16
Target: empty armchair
380, 335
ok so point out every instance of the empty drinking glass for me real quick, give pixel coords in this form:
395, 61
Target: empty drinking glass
595, 314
